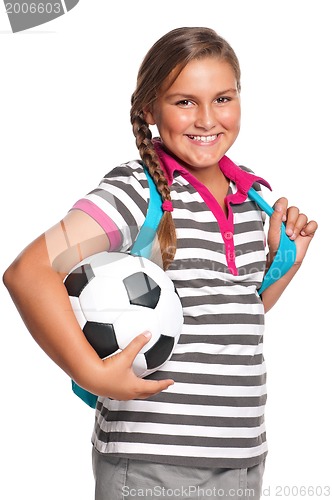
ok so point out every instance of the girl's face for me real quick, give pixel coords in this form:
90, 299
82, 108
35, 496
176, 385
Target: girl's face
198, 116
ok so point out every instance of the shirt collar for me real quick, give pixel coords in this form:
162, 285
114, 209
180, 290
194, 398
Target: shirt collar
242, 179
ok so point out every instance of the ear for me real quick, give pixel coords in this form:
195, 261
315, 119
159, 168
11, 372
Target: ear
148, 116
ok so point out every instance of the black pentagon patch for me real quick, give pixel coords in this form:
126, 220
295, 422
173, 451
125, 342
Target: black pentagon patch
158, 353
77, 280
102, 338
142, 290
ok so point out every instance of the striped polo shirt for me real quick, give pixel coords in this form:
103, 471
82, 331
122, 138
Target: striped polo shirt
213, 416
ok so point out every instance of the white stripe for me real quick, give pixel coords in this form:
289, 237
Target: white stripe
242, 238
184, 409
185, 451
202, 253
248, 216
211, 369
217, 260
232, 349
231, 329
253, 258
186, 197
218, 390
212, 274
203, 216
222, 309
217, 290
203, 274
201, 234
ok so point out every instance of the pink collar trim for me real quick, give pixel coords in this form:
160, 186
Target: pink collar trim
242, 179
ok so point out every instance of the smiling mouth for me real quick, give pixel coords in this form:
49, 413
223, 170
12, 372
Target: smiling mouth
203, 138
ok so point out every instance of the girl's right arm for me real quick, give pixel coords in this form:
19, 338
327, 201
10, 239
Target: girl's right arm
35, 282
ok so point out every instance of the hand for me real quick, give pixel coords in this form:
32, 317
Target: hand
120, 380
298, 228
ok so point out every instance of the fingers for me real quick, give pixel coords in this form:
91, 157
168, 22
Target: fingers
128, 385
309, 229
278, 216
144, 388
136, 345
151, 387
296, 222
280, 209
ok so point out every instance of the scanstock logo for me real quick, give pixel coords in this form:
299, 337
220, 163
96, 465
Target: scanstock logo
27, 14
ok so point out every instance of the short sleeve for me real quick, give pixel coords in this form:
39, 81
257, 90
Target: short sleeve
119, 204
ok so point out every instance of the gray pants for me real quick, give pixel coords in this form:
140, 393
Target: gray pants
122, 478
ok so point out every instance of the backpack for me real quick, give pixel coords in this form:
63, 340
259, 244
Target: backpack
282, 262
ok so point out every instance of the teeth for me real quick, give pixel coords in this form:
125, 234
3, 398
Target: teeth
203, 138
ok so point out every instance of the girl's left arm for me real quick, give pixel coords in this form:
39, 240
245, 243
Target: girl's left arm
299, 229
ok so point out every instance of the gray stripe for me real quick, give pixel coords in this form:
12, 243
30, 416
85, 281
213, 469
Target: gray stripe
247, 206
162, 418
169, 439
125, 170
212, 265
247, 226
220, 299
201, 243
192, 206
210, 226
220, 359
132, 193
198, 378
215, 401
240, 339
225, 319
250, 247
218, 247
200, 264
252, 268
183, 188
210, 282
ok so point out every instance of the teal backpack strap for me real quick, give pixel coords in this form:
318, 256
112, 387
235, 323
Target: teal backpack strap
87, 397
144, 240
286, 253
141, 247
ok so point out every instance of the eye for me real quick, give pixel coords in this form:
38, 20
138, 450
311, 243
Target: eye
222, 100
184, 103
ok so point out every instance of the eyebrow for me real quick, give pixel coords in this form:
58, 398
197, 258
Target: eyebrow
191, 96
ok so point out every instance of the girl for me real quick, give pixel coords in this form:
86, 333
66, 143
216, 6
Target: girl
197, 425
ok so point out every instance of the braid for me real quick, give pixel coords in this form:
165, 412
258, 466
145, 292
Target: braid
166, 230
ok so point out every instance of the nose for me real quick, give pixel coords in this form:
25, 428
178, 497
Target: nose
205, 117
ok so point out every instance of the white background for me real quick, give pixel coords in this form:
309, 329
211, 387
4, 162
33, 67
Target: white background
64, 120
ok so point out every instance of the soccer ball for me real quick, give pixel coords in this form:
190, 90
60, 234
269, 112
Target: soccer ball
116, 296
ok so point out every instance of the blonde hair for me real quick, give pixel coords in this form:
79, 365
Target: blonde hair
171, 53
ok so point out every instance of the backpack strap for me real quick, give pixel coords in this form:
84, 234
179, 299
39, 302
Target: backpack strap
144, 240
286, 253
